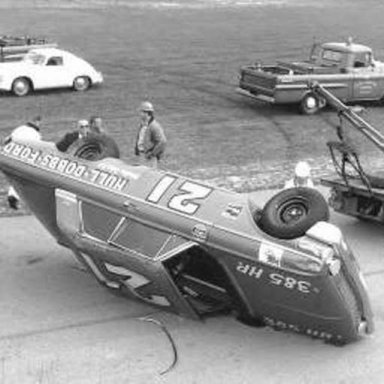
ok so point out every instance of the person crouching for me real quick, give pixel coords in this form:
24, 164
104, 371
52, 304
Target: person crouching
302, 177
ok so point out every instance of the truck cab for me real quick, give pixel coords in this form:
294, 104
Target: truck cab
343, 56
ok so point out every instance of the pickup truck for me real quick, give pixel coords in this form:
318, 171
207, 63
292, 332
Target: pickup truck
349, 70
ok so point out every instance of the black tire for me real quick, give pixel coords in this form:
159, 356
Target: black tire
21, 86
95, 147
310, 104
291, 212
81, 83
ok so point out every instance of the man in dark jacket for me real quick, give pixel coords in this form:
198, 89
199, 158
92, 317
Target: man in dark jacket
150, 140
69, 138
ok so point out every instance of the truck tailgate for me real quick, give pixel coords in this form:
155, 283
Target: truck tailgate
259, 80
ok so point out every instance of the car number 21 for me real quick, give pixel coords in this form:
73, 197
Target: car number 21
184, 199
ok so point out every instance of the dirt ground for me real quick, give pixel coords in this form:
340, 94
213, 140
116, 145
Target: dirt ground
185, 59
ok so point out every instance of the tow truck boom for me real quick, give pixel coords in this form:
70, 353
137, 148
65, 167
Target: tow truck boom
350, 115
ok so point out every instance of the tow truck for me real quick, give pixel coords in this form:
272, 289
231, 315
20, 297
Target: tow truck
354, 191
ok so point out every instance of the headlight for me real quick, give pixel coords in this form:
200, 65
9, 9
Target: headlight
324, 253
294, 260
302, 262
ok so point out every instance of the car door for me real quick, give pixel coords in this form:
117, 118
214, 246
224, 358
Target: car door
52, 73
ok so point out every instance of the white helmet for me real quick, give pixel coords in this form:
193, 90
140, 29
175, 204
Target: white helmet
146, 106
302, 169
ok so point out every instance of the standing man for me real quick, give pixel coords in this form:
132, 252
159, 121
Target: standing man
96, 124
150, 140
97, 128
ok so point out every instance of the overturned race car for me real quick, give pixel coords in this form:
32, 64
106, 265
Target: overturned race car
194, 249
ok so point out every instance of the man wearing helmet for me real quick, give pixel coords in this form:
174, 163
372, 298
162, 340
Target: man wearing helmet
302, 177
150, 141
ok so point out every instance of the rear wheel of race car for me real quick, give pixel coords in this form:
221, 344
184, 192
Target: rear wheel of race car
94, 148
81, 83
21, 86
292, 212
310, 104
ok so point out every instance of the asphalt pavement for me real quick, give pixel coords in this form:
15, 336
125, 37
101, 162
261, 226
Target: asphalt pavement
58, 325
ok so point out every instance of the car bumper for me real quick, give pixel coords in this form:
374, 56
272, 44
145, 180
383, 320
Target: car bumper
98, 78
259, 96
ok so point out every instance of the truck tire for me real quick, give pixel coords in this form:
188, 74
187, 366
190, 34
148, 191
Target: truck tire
94, 147
310, 104
291, 212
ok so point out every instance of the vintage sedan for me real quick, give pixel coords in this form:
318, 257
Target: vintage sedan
47, 68
192, 248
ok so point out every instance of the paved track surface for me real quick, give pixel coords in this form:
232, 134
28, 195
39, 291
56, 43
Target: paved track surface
57, 325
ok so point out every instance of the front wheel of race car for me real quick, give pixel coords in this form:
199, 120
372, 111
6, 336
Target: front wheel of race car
94, 148
21, 86
310, 104
291, 212
81, 83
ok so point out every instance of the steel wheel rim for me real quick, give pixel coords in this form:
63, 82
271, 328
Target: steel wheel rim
293, 211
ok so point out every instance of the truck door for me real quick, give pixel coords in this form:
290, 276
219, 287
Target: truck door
366, 84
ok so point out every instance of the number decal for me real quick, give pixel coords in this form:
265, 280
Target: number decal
185, 202
161, 188
304, 286
290, 282
134, 281
185, 198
